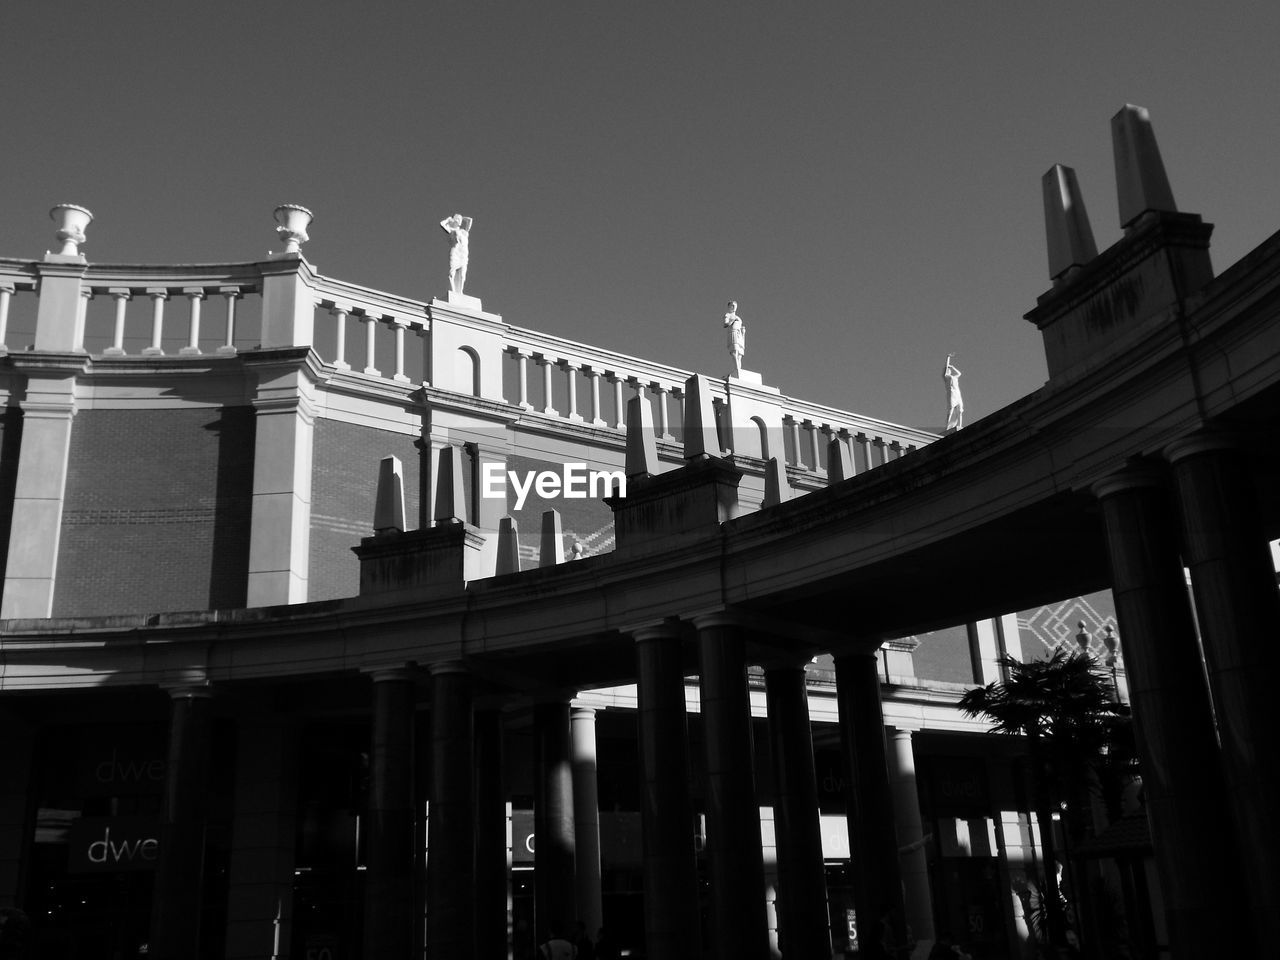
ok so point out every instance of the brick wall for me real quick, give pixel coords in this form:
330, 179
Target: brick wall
156, 514
344, 485
586, 520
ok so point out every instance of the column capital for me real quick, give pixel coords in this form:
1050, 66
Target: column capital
158, 293
654, 630
383, 674
580, 711
1136, 477
1204, 441
189, 691
448, 667
195, 293
719, 618
120, 293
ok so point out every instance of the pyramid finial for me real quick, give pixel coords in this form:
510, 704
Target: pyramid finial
551, 551
1066, 224
388, 510
642, 448
451, 505
776, 487
1141, 183
839, 463
508, 547
700, 436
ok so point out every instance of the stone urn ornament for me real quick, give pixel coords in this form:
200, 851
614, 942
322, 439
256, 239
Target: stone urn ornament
71, 220
293, 221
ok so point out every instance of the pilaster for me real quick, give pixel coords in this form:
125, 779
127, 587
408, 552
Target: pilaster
288, 303
48, 408
60, 312
280, 534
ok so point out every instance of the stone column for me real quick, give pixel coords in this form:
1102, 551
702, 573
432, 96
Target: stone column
548, 396
571, 372
1187, 806
1239, 611
48, 410
491, 837
671, 921
553, 829
873, 839
229, 342
594, 376
815, 460
906, 814
263, 838
389, 877
399, 325
176, 904
739, 923
620, 408
158, 296
16, 807
451, 872
121, 295
803, 925
370, 322
586, 818
194, 295
664, 418
280, 528
288, 303
60, 308
522, 365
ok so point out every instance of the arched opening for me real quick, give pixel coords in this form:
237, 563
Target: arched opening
466, 370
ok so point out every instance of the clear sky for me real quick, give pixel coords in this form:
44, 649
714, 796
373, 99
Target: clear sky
864, 178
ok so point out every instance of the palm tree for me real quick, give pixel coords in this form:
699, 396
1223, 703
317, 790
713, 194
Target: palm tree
1067, 709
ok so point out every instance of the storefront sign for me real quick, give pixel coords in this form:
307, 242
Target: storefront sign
113, 844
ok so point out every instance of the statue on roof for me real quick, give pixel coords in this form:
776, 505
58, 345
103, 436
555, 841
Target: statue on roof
737, 337
458, 228
955, 404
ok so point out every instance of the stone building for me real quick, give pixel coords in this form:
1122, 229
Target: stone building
249, 711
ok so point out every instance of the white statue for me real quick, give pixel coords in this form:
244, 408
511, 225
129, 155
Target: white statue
955, 405
458, 228
737, 337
